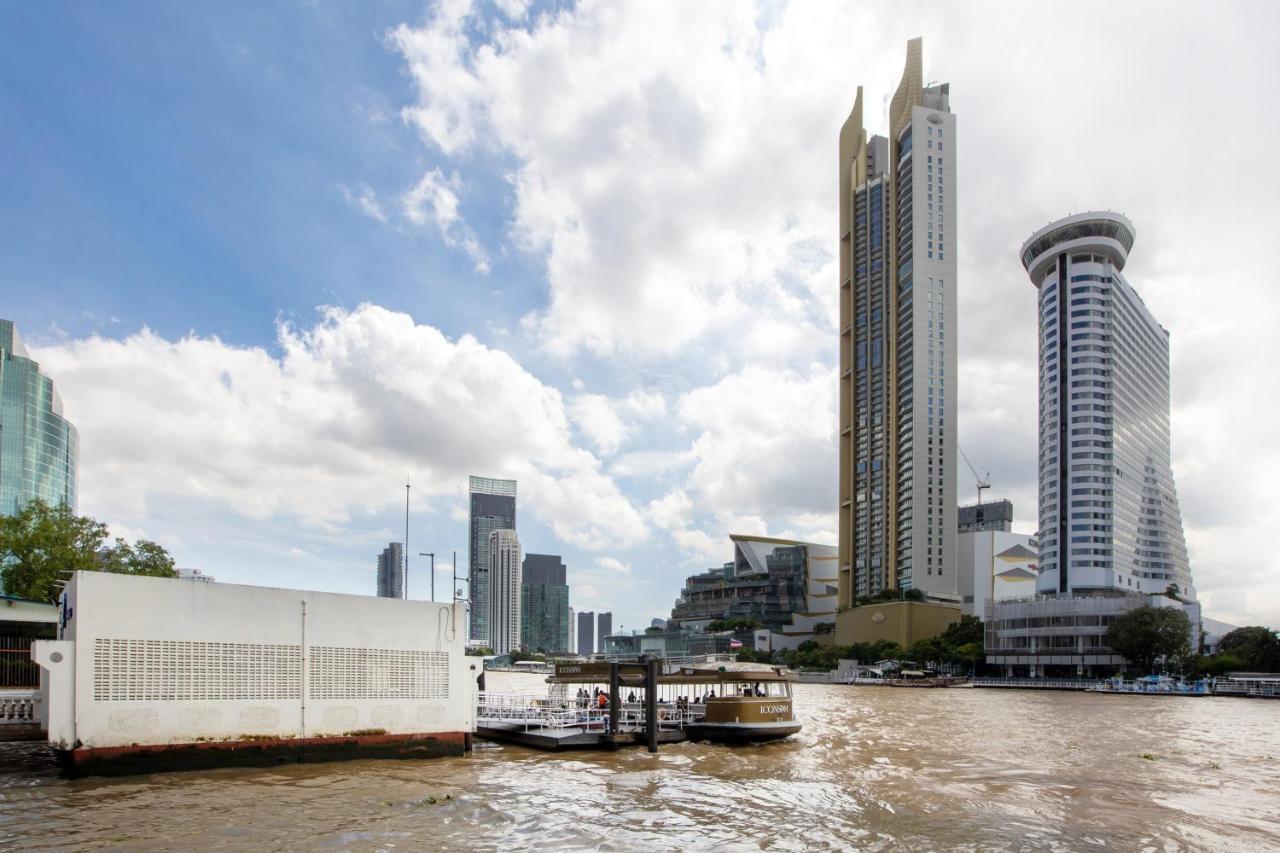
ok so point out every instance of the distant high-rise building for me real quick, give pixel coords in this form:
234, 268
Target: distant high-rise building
391, 571
573, 631
604, 627
897, 504
1109, 515
38, 447
587, 633
993, 515
504, 591
493, 507
544, 604
194, 575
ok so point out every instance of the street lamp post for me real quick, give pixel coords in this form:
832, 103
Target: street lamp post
433, 572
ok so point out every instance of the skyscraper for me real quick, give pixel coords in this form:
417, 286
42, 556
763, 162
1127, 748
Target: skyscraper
897, 505
38, 447
493, 507
544, 604
391, 571
504, 591
604, 627
573, 631
586, 633
1109, 515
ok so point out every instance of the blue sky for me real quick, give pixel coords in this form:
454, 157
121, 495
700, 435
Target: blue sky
279, 256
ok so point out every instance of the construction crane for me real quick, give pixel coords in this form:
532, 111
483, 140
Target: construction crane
984, 480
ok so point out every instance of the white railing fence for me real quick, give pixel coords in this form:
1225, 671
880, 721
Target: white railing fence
17, 707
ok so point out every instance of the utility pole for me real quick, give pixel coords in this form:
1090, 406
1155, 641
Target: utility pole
433, 571
406, 537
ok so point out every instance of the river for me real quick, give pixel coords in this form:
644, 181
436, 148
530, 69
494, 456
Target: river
875, 768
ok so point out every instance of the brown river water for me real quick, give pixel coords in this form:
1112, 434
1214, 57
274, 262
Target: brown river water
875, 768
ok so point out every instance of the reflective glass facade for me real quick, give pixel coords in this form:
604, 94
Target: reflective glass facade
493, 507
39, 448
544, 604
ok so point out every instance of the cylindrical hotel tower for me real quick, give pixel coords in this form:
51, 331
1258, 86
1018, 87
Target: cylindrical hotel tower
1109, 516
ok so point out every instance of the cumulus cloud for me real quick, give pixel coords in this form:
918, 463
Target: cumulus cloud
366, 201
434, 201
661, 185
614, 565
607, 422
311, 432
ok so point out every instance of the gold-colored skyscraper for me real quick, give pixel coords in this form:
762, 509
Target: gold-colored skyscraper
898, 345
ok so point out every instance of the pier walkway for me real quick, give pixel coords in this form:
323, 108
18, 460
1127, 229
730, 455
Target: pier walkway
555, 724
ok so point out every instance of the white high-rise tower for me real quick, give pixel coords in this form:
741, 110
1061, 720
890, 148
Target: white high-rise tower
1109, 516
505, 572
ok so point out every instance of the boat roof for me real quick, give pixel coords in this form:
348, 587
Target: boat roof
632, 673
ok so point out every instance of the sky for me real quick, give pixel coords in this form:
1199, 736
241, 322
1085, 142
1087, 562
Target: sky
279, 258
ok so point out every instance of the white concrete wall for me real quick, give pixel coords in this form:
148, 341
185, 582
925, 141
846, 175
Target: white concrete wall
158, 660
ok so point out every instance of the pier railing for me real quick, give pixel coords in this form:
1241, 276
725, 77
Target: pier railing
532, 711
1039, 683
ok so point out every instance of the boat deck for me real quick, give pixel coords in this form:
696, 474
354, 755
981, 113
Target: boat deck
557, 739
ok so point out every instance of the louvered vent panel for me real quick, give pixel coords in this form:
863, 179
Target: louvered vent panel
345, 673
178, 670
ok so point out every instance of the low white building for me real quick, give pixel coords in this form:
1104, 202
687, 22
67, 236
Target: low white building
159, 673
994, 565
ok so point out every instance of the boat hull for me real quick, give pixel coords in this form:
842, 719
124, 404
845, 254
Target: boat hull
742, 732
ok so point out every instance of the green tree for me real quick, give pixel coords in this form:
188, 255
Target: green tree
1148, 634
1256, 646
1218, 665
41, 546
967, 630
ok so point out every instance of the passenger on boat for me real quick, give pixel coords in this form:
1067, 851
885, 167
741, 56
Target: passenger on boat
631, 697
603, 700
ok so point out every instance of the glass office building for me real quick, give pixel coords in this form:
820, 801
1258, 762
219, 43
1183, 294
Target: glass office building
493, 507
544, 604
38, 447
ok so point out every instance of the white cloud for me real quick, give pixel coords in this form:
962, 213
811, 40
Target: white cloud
367, 201
312, 433
434, 200
672, 191
614, 565
607, 422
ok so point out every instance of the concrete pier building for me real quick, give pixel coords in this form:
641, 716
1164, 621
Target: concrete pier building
160, 673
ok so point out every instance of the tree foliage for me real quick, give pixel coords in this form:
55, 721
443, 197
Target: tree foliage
738, 624
1256, 647
41, 546
1146, 635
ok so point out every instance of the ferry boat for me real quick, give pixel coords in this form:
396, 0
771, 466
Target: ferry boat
712, 698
